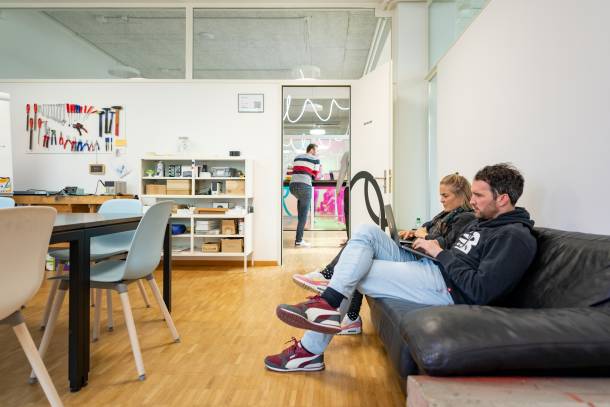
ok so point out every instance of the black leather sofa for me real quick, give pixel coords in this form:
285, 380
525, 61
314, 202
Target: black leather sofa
556, 322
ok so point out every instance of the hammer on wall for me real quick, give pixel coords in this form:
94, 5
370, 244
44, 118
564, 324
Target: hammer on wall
117, 109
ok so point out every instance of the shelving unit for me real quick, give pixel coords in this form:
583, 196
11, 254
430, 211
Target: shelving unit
189, 245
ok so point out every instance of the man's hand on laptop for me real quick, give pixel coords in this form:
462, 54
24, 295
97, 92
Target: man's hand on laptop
406, 234
430, 247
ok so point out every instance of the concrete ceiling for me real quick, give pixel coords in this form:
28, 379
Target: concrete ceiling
229, 43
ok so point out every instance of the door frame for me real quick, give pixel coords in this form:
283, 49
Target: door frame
349, 175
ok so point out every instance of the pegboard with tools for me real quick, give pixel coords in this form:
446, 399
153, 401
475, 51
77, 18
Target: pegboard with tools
59, 128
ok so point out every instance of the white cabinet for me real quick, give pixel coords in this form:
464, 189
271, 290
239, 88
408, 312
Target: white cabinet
6, 159
199, 185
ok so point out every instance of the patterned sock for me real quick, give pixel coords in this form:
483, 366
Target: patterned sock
327, 273
352, 315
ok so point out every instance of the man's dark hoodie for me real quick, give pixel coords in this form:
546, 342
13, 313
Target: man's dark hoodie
490, 258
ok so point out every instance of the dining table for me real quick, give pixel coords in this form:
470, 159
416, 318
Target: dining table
77, 229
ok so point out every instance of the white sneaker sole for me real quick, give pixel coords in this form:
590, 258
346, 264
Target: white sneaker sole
309, 286
353, 331
314, 368
298, 321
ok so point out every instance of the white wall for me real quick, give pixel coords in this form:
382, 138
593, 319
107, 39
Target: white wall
155, 115
528, 83
6, 159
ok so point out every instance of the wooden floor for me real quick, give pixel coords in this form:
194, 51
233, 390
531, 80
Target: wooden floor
228, 325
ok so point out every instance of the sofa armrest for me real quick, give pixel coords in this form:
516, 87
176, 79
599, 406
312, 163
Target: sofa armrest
464, 340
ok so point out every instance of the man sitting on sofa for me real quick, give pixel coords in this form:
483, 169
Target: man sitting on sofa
485, 264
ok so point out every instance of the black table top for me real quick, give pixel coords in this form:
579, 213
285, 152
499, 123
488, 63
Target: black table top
73, 221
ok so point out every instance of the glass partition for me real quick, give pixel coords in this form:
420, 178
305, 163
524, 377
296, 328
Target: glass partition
447, 20
92, 43
282, 43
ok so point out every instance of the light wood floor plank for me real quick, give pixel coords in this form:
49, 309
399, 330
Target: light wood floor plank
227, 324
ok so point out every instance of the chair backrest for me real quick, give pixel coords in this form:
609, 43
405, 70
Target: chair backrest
6, 202
24, 240
121, 206
127, 206
145, 252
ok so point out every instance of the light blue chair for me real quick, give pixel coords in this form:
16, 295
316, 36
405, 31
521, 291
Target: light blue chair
6, 202
142, 260
102, 247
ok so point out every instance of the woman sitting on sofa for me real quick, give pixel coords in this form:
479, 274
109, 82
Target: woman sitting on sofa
446, 227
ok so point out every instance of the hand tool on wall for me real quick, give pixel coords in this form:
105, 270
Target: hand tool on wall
61, 138
97, 146
110, 122
53, 138
27, 120
35, 114
31, 133
101, 122
117, 109
39, 126
66, 144
79, 127
106, 110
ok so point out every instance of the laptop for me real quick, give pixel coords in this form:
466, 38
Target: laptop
405, 244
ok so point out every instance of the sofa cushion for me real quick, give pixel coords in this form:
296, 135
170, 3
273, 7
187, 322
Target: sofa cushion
570, 269
468, 340
388, 317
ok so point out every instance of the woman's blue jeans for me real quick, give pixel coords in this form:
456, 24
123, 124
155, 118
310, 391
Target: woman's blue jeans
302, 192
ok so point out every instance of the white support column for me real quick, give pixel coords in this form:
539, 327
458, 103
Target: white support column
410, 66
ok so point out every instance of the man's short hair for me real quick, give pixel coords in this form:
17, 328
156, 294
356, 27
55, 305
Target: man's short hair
311, 147
502, 178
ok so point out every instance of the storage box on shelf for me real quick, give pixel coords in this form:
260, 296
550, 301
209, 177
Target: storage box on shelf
213, 197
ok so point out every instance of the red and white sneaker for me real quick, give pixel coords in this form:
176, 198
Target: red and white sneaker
295, 359
349, 327
314, 314
314, 281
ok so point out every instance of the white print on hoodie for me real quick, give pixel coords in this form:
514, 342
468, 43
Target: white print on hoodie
467, 242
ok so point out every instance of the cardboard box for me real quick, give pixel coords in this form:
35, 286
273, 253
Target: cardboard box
228, 227
210, 247
235, 187
178, 187
156, 189
232, 245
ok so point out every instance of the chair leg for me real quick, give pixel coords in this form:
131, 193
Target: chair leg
23, 335
143, 292
168, 318
48, 332
109, 322
96, 315
92, 298
52, 294
131, 329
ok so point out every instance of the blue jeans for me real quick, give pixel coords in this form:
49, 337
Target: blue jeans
376, 266
302, 192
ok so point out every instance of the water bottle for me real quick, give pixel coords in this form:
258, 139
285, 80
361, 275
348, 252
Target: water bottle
417, 223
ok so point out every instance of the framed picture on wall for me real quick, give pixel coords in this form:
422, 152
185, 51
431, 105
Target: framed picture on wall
251, 103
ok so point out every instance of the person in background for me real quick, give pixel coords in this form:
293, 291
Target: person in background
455, 194
486, 263
305, 169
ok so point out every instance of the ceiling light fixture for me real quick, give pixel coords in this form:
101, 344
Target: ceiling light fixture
206, 35
125, 72
333, 103
317, 132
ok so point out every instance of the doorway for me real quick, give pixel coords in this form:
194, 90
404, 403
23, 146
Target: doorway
318, 115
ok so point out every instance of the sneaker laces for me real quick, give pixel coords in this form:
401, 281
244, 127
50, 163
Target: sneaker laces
291, 350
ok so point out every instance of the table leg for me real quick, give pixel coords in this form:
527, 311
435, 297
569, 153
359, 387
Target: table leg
167, 268
78, 359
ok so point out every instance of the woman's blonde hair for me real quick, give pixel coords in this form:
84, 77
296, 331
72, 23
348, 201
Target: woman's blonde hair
460, 187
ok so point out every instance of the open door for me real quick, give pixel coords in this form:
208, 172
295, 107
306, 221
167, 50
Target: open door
371, 148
